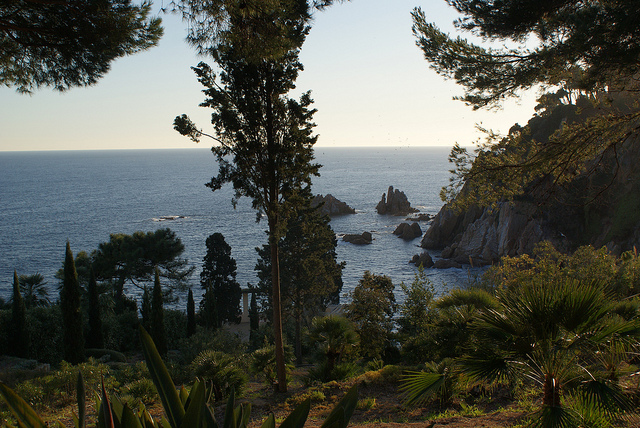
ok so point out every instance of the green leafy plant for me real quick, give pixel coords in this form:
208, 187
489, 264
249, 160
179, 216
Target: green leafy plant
183, 409
221, 371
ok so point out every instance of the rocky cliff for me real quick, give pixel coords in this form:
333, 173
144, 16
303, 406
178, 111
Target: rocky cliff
599, 208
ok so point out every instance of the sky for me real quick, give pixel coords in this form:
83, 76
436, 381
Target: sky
368, 78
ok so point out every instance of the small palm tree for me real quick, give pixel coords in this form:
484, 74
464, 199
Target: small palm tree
334, 335
554, 334
34, 291
438, 379
221, 371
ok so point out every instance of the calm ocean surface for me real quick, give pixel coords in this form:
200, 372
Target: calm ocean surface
47, 198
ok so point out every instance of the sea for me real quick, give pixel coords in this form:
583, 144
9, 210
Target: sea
49, 198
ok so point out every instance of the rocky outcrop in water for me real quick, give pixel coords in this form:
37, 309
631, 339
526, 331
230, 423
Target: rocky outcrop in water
331, 206
394, 202
364, 238
423, 259
408, 231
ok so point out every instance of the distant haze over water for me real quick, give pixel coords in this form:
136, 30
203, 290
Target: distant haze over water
47, 198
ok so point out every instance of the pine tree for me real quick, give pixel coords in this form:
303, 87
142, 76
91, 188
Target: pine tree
157, 317
71, 314
19, 334
95, 338
191, 315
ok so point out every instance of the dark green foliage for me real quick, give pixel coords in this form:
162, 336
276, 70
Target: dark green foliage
182, 408
175, 327
134, 258
34, 291
41, 49
73, 340
588, 42
416, 320
221, 371
95, 338
310, 276
218, 279
191, 314
438, 380
145, 308
157, 317
371, 309
121, 330
45, 326
19, 336
266, 139
549, 331
334, 337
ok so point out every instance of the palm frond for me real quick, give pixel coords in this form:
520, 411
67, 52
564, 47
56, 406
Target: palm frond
556, 417
417, 387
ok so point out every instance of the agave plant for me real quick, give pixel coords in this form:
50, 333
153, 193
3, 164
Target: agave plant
183, 409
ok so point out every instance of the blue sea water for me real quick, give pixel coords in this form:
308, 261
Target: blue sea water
49, 198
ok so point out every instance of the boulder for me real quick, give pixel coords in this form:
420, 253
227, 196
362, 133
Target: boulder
331, 206
446, 264
408, 231
364, 238
394, 202
423, 259
420, 217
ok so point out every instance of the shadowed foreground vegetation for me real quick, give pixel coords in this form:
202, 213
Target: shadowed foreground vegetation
541, 340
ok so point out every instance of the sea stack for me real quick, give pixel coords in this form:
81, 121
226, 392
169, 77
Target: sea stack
394, 202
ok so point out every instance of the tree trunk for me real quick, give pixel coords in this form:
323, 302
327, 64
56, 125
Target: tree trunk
551, 391
298, 320
277, 311
274, 220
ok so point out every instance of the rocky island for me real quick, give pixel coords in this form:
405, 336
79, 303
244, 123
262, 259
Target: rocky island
394, 202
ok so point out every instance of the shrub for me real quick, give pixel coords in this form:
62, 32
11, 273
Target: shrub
372, 307
182, 408
45, 330
58, 388
121, 331
221, 371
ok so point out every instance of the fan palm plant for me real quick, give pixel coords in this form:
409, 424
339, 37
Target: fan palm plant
559, 335
334, 335
34, 290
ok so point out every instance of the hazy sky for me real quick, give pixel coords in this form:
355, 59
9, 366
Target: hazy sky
368, 78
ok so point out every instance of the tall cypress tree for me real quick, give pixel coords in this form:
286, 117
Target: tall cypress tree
157, 317
94, 336
71, 314
19, 337
218, 278
191, 315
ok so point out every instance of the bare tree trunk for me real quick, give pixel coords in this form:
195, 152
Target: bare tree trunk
277, 311
273, 218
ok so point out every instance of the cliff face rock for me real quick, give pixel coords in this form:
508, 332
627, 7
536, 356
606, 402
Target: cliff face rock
482, 236
394, 202
331, 206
